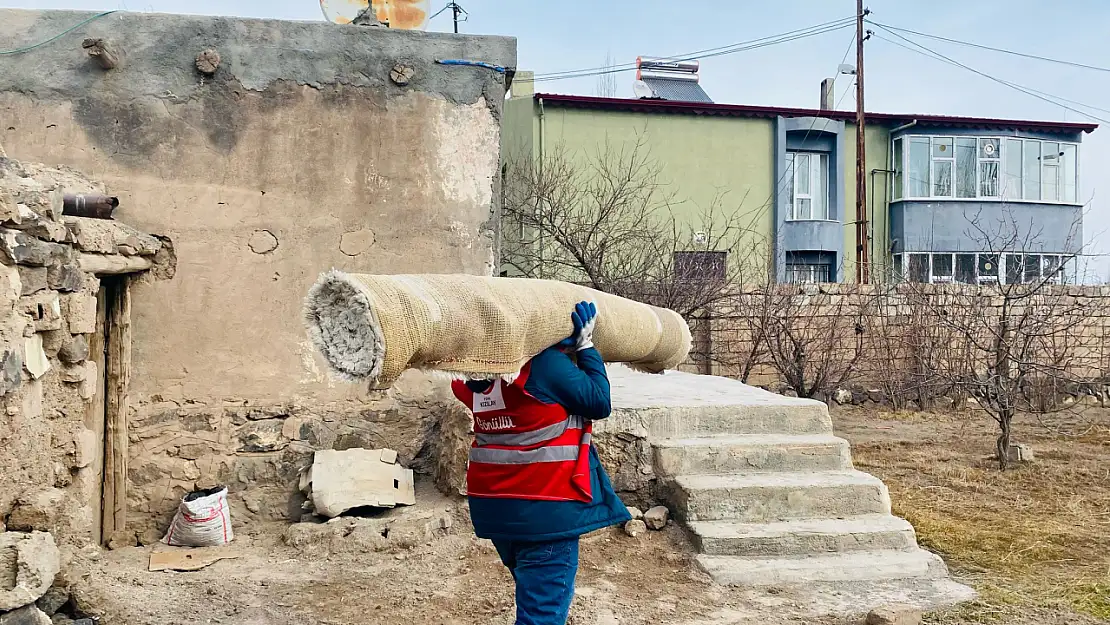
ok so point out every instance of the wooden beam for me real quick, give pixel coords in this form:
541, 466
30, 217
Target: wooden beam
94, 413
118, 379
113, 264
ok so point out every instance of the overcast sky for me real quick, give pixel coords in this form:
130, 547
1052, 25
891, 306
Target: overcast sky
573, 34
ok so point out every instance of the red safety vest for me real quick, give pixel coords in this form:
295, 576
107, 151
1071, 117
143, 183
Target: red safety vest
524, 448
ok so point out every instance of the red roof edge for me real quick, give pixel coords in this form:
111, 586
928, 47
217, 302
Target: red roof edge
743, 110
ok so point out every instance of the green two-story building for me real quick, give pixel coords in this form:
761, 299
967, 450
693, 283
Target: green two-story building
949, 199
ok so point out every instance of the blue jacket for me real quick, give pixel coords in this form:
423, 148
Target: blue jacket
582, 389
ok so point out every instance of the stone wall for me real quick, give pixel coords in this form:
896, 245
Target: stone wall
299, 153
51, 437
874, 329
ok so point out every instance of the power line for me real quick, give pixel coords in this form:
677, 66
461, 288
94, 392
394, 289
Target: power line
691, 55
753, 44
1040, 95
992, 49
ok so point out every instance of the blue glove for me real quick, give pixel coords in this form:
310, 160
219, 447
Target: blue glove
584, 319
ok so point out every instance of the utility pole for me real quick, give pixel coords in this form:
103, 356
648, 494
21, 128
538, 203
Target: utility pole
456, 10
862, 243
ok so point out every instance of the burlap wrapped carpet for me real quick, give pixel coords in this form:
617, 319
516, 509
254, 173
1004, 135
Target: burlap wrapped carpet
371, 328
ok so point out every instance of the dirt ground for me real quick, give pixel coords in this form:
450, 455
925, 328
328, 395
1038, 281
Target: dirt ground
347, 572
1034, 540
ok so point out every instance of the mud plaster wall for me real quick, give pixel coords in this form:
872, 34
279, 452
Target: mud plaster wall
298, 155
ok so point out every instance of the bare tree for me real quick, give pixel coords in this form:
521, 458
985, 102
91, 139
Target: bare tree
607, 80
815, 339
609, 221
1015, 344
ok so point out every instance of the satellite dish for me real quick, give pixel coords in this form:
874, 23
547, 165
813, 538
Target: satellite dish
403, 14
641, 90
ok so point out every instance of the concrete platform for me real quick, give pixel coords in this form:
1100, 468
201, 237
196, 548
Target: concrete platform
684, 405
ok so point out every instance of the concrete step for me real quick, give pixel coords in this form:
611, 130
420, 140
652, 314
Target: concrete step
837, 567
816, 601
762, 497
752, 452
873, 532
683, 405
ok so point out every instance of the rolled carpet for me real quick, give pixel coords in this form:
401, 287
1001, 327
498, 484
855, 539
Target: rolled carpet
371, 328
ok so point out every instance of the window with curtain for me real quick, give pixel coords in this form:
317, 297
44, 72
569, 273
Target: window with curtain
990, 153
943, 163
808, 186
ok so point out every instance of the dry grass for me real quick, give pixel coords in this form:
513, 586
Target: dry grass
1034, 541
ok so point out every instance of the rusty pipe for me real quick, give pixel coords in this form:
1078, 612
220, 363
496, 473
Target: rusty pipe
95, 206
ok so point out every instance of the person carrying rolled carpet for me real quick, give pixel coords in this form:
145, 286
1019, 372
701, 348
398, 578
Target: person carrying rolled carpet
534, 480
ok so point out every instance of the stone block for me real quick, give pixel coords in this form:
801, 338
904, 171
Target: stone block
341, 480
39, 510
53, 600
74, 374
103, 236
11, 286
74, 351
39, 226
85, 447
635, 527
45, 309
894, 615
259, 436
32, 279
20, 249
11, 371
29, 561
80, 312
66, 277
1020, 453
34, 357
27, 615
88, 387
656, 518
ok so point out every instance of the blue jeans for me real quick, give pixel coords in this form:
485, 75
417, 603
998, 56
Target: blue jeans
544, 574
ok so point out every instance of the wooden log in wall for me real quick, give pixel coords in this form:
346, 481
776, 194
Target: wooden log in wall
118, 380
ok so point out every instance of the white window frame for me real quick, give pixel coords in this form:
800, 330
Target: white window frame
818, 169
999, 160
1064, 276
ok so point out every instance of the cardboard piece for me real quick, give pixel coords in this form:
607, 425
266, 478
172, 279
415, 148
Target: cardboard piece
188, 559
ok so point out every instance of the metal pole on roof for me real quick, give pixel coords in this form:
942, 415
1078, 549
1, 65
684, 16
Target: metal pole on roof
862, 243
